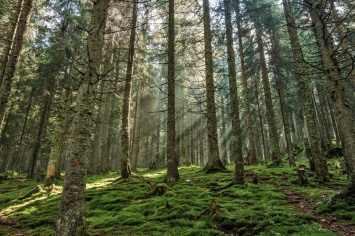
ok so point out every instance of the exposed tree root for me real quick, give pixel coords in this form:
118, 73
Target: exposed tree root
157, 190
36, 189
212, 210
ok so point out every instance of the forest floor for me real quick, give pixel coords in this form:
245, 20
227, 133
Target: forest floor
329, 222
199, 204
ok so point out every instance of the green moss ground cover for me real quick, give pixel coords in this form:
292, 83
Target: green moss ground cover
117, 207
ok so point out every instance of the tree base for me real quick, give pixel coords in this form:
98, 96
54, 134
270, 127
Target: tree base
214, 166
158, 190
126, 170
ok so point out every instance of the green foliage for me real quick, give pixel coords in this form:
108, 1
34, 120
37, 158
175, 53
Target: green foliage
115, 207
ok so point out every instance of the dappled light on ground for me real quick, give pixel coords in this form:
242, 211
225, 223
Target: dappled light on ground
199, 204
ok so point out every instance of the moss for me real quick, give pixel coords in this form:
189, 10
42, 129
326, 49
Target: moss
4, 230
340, 206
113, 208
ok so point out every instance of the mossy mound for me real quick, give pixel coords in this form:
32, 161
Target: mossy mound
116, 207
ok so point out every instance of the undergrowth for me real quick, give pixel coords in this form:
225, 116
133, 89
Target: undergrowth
116, 207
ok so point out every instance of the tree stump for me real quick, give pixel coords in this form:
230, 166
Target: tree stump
302, 175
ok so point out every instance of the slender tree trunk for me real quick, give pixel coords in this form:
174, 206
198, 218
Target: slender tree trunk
95, 160
157, 141
202, 142
250, 126
14, 54
214, 162
261, 124
270, 115
340, 101
233, 93
280, 88
19, 143
71, 220
58, 137
172, 174
11, 37
34, 162
136, 121
125, 162
224, 136
317, 157
106, 127
333, 121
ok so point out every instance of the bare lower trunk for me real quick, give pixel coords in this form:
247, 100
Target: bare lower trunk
214, 163
340, 101
270, 115
250, 126
125, 173
14, 55
172, 160
317, 157
237, 153
71, 221
58, 134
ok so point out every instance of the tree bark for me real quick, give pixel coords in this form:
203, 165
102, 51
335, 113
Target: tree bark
172, 174
237, 151
14, 55
71, 221
340, 101
270, 114
125, 163
276, 49
250, 126
309, 112
11, 37
214, 163
33, 170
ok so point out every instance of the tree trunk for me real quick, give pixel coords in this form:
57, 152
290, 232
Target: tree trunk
14, 54
224, 134
237, 153
9, 165
11, 37
136, 127
250, 126
270, 115
214, 162
339, 98
34, 162
72, 208
58, 133
261, 124
172, 174
317, 156
125, 163
276, 49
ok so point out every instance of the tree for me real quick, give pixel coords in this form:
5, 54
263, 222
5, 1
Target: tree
250, 127
125, 163
237, 152
11, 60
71, 219
214, 162
172, 160
270, 113
317, 159
276, 61
340, 101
